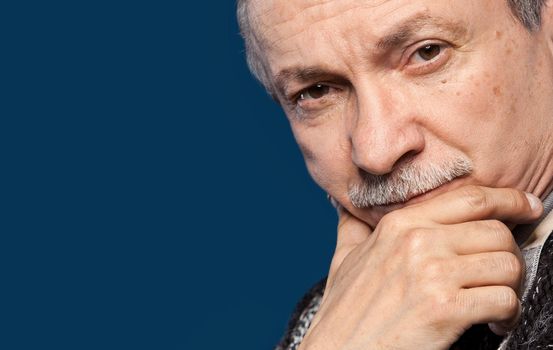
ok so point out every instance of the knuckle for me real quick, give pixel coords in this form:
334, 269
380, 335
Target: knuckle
442, 303
434, 270
392, 222
501, 233
414, 240
512, 264
508, 301
443, 310
498, 227
475, 197
517, 199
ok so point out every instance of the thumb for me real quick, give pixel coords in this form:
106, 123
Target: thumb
351, 232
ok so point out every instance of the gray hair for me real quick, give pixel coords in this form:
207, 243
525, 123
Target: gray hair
254, 56
406, 182
527, 12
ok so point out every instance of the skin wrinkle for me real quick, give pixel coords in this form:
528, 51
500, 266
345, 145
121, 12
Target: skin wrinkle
406, 29
476, 113
540, 171
414, 24
546, 147
521, 11
308, 47
285, 21
288, 75
261, 41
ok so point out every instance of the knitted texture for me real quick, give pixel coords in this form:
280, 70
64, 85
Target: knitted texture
302, 317
534, 332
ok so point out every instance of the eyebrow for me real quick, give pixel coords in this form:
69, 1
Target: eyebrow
401, 33
409, 27
300, 74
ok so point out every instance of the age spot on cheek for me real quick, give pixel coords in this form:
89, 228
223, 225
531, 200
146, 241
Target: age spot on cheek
475, 81
497, 91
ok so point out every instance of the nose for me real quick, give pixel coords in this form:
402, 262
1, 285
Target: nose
384, 130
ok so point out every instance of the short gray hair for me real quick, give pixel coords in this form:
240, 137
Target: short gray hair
254, 55
527, 12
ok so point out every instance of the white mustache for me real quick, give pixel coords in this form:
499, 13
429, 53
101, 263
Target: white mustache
406, 182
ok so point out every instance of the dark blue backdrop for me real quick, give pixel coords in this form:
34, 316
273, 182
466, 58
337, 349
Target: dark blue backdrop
153, 195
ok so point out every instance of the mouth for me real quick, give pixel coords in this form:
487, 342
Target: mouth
416, 198
420, 197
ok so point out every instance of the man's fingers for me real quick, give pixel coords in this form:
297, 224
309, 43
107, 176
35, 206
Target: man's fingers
471, 203
487, 269
351, 230
351, 233
496, 305
481, 236
472, 239
502, 328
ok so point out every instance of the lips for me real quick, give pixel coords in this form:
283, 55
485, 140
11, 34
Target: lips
447, 186
414, 198
424, 194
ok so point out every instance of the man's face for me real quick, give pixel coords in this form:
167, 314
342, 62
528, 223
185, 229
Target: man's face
393, 102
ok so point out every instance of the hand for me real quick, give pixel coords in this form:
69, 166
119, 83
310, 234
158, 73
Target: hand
426, 274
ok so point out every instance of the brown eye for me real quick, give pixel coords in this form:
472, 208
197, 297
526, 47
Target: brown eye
314, 92
429, 52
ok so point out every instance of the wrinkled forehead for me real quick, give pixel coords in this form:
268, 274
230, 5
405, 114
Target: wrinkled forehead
281, 24
270, 13
276, 20
290, 27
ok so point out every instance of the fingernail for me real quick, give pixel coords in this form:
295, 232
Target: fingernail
535, 202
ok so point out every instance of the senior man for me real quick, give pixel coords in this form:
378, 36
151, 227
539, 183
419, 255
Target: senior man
429, 124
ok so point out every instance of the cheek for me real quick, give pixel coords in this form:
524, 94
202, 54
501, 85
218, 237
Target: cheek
327, 156
483, 111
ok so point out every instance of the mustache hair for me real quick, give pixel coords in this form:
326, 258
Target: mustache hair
406, 182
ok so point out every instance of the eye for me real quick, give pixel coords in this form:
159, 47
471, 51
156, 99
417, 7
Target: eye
427, 52
314, 100
314, 92
427, 57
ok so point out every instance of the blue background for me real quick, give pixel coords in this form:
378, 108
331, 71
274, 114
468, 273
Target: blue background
153, 195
